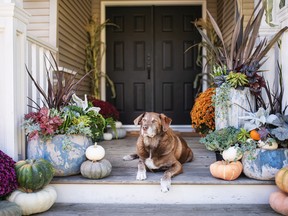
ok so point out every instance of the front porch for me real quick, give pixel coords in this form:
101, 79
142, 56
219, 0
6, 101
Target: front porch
194, 186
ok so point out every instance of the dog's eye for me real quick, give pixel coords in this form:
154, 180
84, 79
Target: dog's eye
144, 120
154, 121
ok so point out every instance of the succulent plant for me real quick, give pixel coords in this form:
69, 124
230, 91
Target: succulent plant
237, 79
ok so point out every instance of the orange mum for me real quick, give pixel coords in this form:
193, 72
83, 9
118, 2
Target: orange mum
203, 112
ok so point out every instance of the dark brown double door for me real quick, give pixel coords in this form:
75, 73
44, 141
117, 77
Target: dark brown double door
146, 59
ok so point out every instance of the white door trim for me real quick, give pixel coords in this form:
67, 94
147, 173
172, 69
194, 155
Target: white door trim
105, 4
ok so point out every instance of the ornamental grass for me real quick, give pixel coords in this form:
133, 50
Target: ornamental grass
203, 112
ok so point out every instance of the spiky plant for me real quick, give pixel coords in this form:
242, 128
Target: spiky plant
244, 53
58, 94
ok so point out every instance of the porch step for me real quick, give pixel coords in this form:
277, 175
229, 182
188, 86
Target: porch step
73, 209
194, 186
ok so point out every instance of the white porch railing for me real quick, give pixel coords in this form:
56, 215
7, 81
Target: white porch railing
35, 59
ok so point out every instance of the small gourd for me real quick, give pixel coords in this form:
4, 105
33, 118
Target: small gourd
95, 152
269, 144
34, 174
233, 153
279, 202
96, 169
226, 170
281, 179
36, 202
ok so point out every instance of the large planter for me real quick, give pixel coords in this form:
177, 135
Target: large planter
239, 101
265, 163
66, 153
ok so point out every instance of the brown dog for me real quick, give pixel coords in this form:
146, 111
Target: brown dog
158, 147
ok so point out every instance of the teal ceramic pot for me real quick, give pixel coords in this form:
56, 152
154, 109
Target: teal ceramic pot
266, 163
66, 153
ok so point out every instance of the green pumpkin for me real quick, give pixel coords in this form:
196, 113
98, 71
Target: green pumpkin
96, 169
34, 174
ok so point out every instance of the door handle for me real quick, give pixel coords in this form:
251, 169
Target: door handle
148, 66
148, 73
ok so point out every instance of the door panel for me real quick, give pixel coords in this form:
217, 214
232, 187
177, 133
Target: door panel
146, 60
126, 64
174, 76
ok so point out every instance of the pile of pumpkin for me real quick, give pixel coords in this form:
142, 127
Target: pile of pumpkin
230, 168
279, 199
96, 167
34, 194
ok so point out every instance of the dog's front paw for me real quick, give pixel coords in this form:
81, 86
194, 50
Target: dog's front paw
141, 175
165, 184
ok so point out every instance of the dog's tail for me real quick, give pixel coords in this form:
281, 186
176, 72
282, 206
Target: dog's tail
130, 157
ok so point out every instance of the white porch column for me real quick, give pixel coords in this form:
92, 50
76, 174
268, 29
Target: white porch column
280, 20
283, 20
13, 22
270, 66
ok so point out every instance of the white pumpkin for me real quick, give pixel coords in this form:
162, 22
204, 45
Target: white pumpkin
95, 152
269, 144
107, 136
35, 202
118, 124
233, 153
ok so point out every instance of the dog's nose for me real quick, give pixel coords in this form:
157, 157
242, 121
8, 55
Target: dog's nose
145, 127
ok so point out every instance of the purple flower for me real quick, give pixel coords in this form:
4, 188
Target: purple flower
8, 178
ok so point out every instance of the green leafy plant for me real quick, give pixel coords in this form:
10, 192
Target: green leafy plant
222, 139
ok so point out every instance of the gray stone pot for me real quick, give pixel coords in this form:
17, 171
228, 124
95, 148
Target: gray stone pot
266, 163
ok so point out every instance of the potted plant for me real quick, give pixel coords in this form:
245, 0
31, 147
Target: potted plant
108, 110
202, 113
220, 140
266, 152
262, 159
62, 129
237, 65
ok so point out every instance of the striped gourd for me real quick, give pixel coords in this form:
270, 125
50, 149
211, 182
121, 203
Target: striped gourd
33, 174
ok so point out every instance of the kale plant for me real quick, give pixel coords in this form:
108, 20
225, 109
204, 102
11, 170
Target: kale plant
221, 139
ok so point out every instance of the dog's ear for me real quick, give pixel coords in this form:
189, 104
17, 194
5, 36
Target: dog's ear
138, 119
165, 121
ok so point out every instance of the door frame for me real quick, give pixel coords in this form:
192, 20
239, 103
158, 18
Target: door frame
105, 4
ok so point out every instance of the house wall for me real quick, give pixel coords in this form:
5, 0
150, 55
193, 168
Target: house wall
39, 23
73, 16
62, 24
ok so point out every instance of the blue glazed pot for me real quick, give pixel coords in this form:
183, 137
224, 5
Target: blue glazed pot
66, 153
266, 163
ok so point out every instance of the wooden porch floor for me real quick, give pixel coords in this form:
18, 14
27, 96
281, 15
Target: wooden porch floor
124, 172
196, 172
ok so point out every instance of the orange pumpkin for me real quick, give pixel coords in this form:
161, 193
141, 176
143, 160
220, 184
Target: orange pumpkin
225, 170
279, 202
255, 135
281, 179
